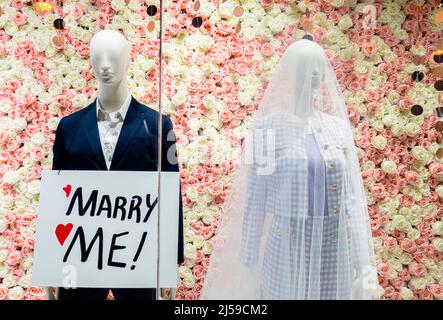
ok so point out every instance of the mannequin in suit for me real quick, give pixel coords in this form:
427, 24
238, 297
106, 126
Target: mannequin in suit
115, 132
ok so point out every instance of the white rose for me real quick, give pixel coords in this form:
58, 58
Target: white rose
379, 142
27, 262
178, 98
9, 281
206, 42
190, 251
207, 248
389, 166
38, 138
437, 228
5, 105
189, 281
19, 124
184, 271
414, 234
34, 187
3, 255
419, 153
439, 190
244, 98
53, 123
412, 129
11, 177
437, 243
25, 281
345, 23
16, 293
3, 270
406, 293
417, 283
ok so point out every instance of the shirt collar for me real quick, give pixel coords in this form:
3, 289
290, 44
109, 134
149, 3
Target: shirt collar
123, 109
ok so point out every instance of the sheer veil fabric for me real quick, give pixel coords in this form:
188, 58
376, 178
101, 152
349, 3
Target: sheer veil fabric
289, 231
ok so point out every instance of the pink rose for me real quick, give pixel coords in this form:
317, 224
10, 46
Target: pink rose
383, 268
193, 85
207, 232
225, 116
3, 292
369, 49
77, 11
435, 289
417, 269
19, 18
412, 177
83, 51
199, 272
390, 244
102, 19
397, 283
267, 3
38, 154
34, 293
14, 257
267, 50
408, 245
190, 295
425, 295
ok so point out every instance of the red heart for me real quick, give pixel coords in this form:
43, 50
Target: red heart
67, 189
62, 232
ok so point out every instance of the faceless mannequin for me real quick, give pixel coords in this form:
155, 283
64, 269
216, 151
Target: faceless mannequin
109, 54
308, 54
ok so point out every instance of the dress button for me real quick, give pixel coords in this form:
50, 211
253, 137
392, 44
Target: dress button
333, 186
325, 146
332, 165
335, 209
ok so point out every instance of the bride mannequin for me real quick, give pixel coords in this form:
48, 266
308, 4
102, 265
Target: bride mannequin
301, 231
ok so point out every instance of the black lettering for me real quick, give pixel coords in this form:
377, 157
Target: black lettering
116, 247
86, 251
120, 206
150, 206
92, 201
135, 206
101, 207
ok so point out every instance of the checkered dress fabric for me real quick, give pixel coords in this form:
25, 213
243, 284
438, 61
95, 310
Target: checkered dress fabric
299, 261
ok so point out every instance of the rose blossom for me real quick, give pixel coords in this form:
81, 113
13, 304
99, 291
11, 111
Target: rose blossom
19, 18
3, 292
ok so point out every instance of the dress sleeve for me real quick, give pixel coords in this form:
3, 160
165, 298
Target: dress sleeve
255, 195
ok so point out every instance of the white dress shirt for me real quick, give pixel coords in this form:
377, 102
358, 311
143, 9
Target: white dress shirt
109, 130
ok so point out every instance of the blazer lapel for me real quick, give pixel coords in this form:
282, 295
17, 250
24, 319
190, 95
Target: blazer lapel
90, 129
130, 125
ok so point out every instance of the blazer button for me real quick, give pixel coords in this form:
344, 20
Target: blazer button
333, 186
332, 165
335, 209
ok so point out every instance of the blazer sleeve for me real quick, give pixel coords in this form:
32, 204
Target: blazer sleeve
59, 159
170, 163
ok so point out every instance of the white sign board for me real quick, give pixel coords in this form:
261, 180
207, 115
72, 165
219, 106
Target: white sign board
99, 229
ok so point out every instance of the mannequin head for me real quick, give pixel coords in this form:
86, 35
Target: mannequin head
109, 54
307, 60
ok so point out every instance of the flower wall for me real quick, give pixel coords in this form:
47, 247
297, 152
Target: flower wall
218, 57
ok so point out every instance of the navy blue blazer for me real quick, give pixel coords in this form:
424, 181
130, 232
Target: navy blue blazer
77, 146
